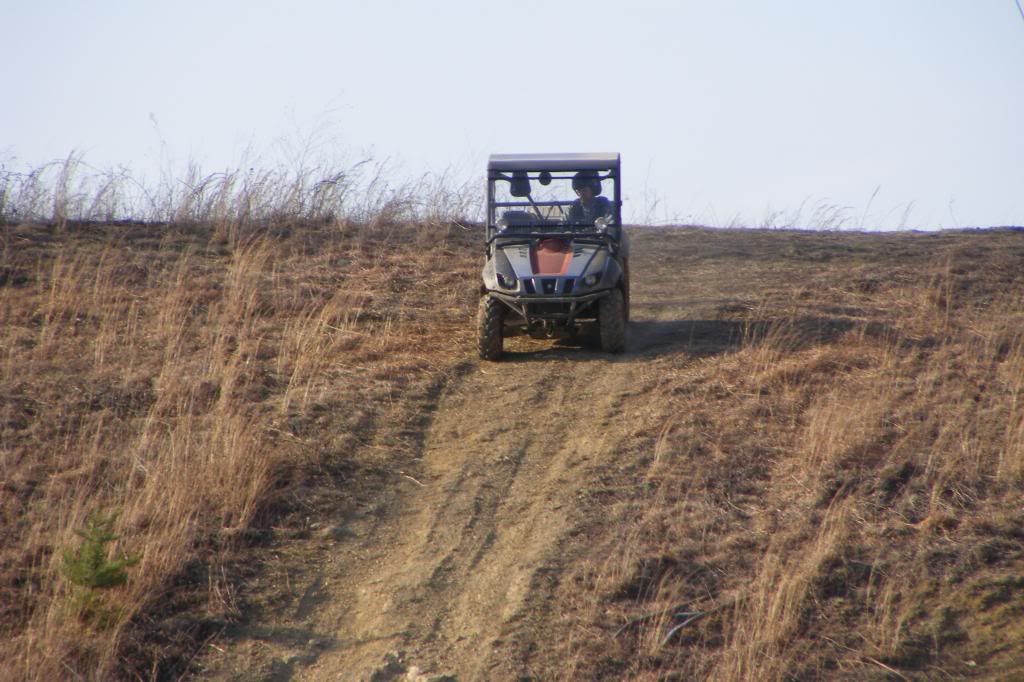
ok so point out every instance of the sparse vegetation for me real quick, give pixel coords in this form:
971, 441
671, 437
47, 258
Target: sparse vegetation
837, 492
817, 447
194, 374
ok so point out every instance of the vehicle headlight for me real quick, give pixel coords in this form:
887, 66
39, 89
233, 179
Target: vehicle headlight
591, 280
506, 281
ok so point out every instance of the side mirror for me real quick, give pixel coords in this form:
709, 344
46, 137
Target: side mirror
605, 225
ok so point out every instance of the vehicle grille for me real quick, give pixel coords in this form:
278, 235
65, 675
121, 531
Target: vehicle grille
549, 286
560, 309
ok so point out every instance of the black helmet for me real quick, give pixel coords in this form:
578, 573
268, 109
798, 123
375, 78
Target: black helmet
585, 178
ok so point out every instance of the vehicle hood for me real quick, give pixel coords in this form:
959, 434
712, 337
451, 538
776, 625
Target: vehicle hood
553, 257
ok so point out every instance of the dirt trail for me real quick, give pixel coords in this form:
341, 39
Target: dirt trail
459, 559
453, 566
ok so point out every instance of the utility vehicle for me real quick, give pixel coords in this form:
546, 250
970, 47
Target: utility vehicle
557, 257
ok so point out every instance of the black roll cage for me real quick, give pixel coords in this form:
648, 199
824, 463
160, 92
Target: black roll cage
555, 167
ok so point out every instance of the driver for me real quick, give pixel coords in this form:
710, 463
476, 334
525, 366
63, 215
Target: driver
589, 206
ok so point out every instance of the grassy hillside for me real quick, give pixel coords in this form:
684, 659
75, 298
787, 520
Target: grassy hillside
829, 480
824, 477
196, 386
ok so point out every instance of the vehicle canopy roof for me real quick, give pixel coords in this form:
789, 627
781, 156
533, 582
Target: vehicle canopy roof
553, 162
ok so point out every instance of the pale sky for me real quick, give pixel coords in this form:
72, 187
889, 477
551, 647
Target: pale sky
724, 111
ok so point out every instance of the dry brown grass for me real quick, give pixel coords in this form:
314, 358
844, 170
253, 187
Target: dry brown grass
185, 376
309, 190
837, 494
826, 478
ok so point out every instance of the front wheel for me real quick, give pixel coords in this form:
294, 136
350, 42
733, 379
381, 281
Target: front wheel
611, 319
490, 323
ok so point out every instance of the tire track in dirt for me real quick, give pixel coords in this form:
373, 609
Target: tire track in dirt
511, 456
454, 563
507, 453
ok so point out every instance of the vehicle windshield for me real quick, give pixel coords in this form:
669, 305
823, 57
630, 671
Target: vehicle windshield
548, 200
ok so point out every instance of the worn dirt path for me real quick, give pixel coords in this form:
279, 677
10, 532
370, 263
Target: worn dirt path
462, 556
453, 565
507, 521
456, 575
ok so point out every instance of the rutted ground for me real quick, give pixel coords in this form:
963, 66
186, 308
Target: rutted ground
809, 464
488, 539
464, 551
453, 565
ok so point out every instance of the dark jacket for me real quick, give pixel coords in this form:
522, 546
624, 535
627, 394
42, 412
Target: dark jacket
582, 215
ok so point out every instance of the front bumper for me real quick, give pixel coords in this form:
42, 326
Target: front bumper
561, 308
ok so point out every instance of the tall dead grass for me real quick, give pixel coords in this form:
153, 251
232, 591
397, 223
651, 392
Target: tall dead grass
165, 372
838, 496
366, 192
